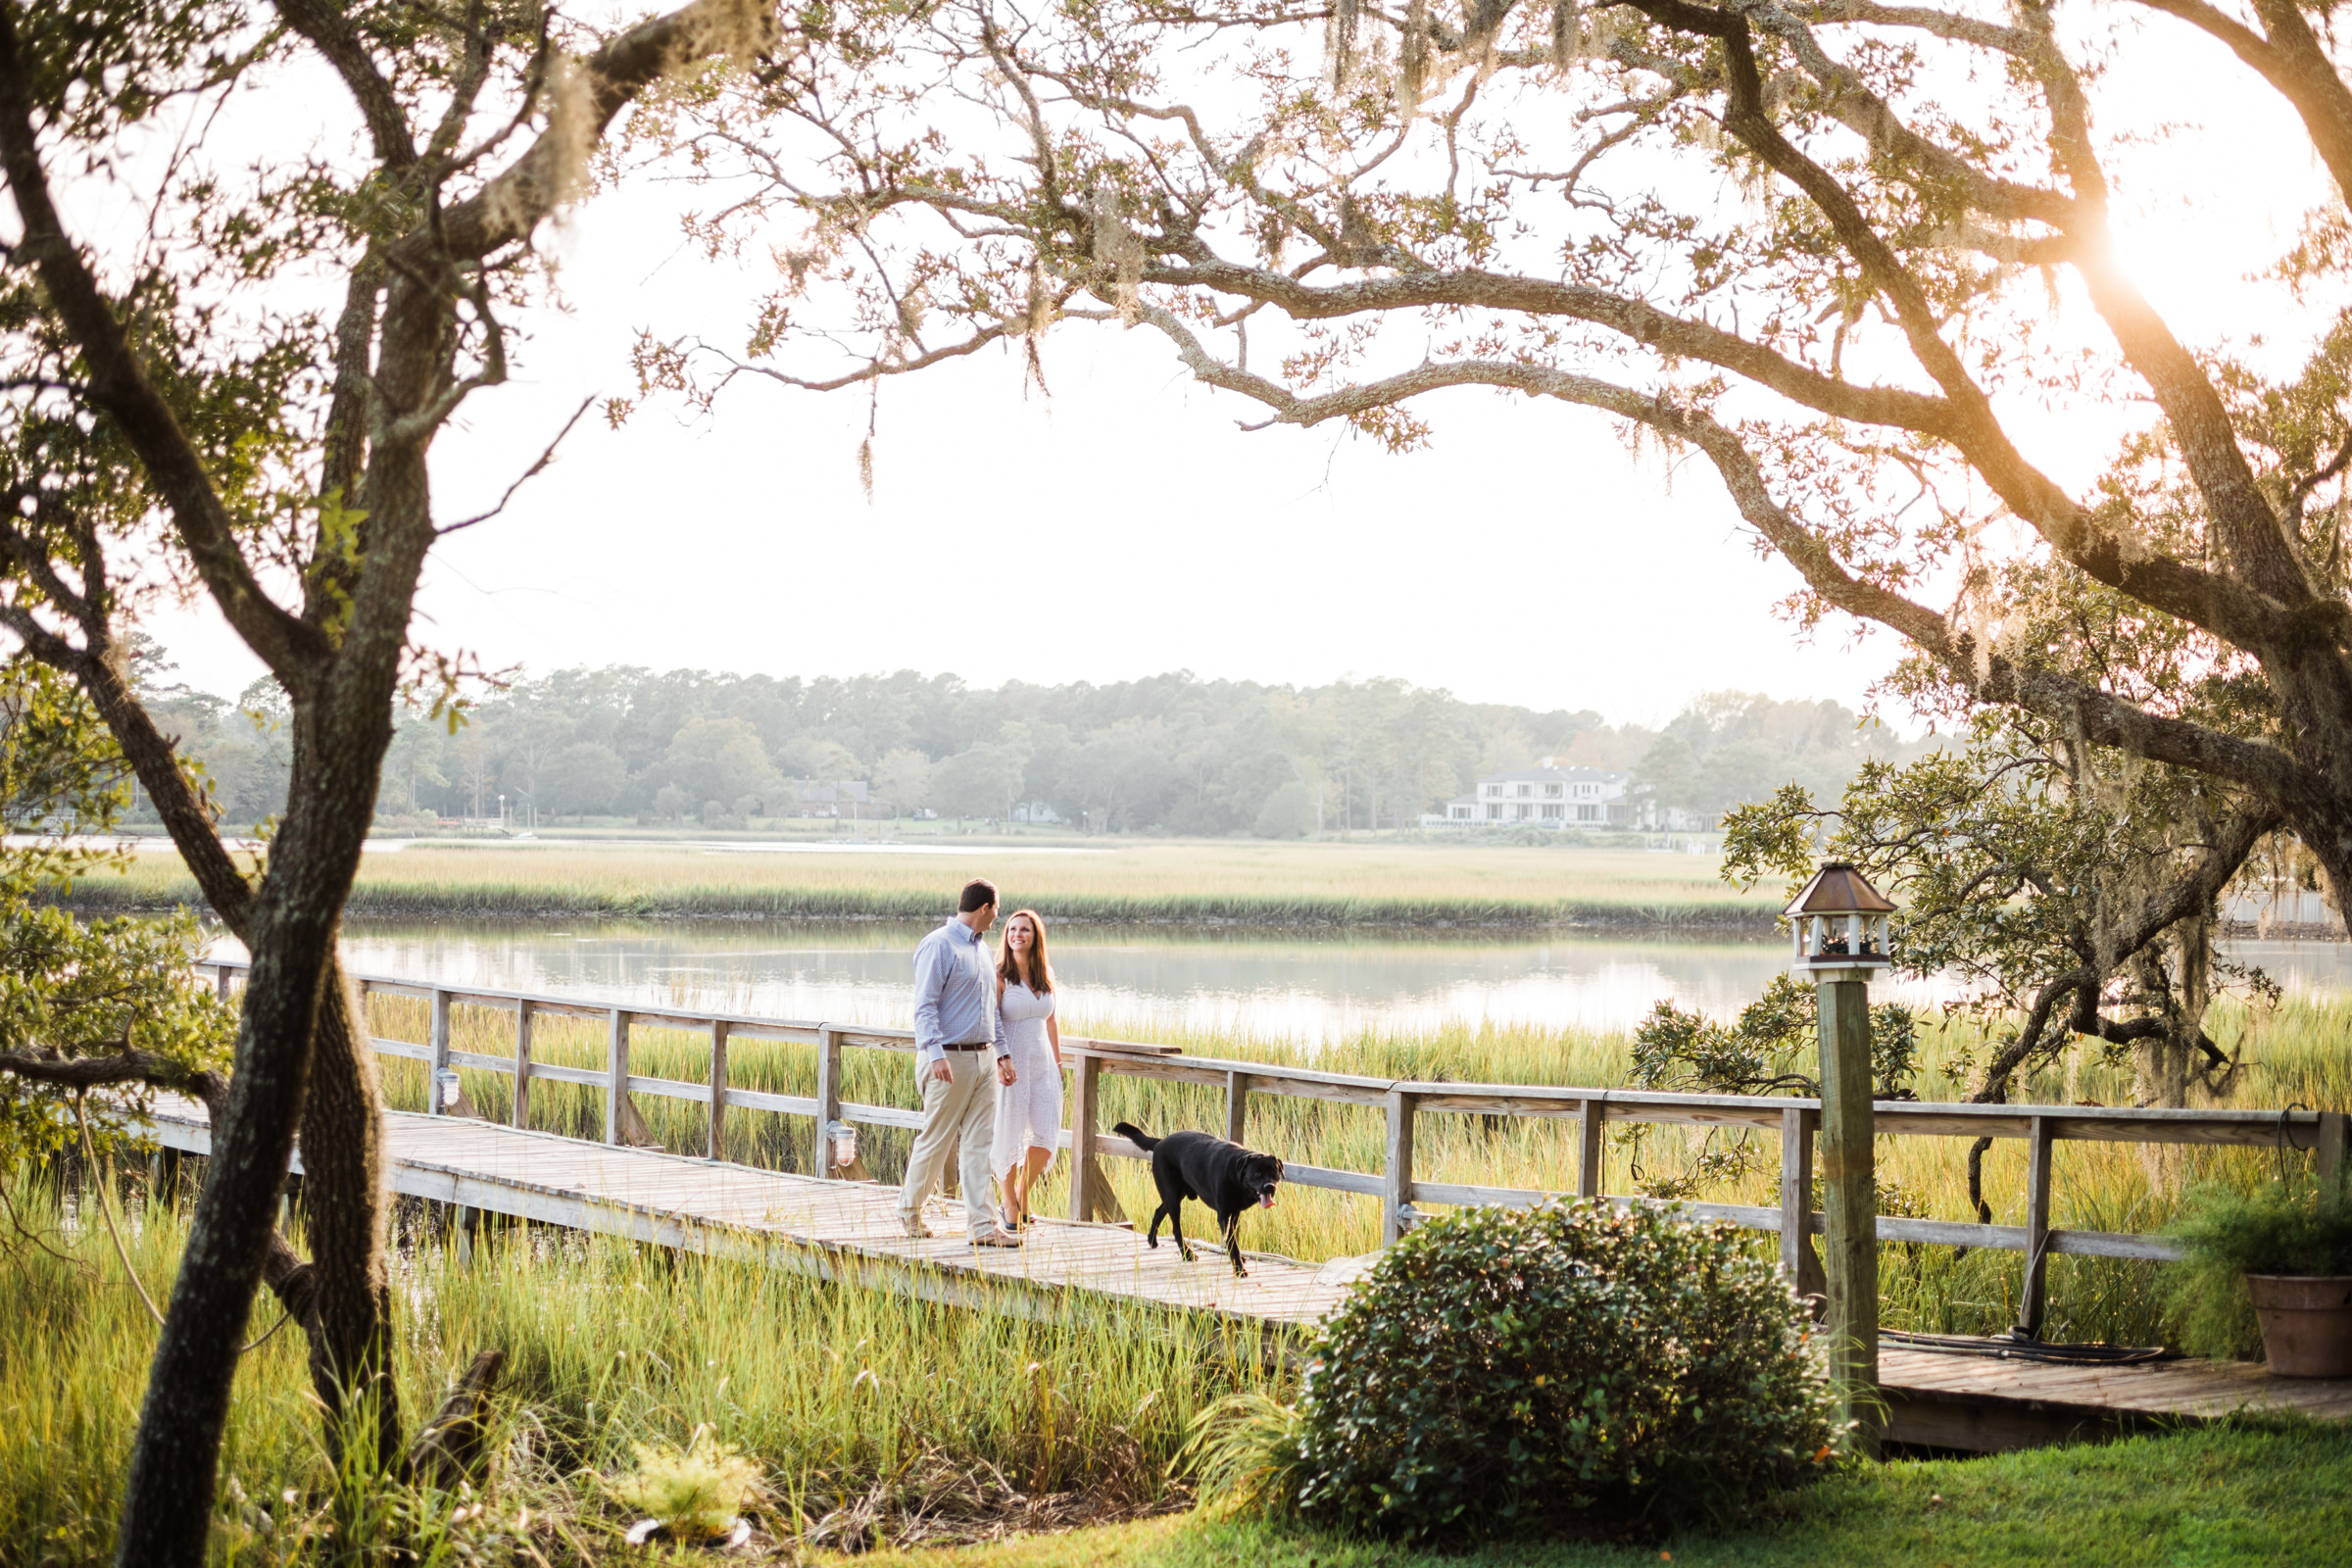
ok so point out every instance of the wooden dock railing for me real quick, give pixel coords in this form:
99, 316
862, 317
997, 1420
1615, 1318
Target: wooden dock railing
1400, 1192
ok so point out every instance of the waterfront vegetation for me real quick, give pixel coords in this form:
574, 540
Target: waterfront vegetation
863, 1408
2291, 1053
1364, 882
1083, 1417
854, 1402
871, 1416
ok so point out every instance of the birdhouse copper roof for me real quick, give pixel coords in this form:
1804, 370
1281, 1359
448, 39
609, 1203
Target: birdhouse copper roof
1838, 889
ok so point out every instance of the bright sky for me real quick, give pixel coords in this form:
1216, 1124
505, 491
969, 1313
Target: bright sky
1122, 527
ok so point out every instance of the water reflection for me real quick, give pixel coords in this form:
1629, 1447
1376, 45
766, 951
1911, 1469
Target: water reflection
1153, 980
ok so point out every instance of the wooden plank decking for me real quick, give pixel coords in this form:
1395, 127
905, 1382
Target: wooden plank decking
1978, 1404
834, 1229
848, 1230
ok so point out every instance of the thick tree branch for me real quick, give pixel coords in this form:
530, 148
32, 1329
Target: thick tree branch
119, 385
2293, 60
517, 200
332, 32
122, 1066
1994, 675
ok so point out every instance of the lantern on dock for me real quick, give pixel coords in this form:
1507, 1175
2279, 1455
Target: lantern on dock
447, 1086
1837, 928
1838, 922
844, 1143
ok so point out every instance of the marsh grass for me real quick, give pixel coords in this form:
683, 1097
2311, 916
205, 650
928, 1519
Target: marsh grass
2292, 1054
836, 1392
1136, 882
854, 1402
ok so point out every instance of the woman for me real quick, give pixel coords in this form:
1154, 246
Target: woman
1029, 1108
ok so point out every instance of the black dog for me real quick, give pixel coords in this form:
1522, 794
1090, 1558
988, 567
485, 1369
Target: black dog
1225, 1176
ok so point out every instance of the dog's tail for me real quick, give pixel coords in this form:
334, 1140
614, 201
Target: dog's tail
1137, 1136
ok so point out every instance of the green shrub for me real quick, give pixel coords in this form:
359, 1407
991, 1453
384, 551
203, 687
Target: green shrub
1570, 1366
695, 1492
2227, 1234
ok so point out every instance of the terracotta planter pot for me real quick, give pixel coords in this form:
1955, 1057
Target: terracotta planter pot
2306, 1323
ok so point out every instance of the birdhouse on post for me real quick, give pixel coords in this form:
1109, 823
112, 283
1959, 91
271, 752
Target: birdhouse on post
1839, 932
1838, 921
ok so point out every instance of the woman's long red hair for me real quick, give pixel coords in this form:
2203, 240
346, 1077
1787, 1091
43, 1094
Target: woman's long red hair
1008, 967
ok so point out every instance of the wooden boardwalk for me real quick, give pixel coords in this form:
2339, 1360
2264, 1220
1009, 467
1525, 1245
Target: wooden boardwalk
1976, 1403
832, 1229
849, 1231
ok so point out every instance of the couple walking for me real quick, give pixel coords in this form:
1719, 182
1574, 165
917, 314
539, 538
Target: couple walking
972, 1017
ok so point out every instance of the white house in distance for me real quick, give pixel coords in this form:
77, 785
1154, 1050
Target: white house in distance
1541, 797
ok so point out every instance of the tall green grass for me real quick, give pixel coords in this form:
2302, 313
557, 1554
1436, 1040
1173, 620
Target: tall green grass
2293, 1054
1441, 885
837, 1392
846, 1394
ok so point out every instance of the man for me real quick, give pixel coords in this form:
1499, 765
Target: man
956, 1033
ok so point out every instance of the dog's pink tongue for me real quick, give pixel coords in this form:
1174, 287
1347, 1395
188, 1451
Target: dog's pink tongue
1267, 1201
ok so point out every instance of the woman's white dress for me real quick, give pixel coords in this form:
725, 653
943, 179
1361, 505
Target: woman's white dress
1029, 1108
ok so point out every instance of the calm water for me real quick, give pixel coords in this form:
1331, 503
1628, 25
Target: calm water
1143, 980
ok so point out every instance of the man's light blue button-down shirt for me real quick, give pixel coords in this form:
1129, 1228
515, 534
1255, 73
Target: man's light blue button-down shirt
952, 986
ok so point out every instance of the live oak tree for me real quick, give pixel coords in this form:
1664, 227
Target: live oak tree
2071, 890
105, 1006
229, 385
1859, 258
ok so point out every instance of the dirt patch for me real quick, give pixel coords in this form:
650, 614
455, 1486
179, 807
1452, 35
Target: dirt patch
937, 1501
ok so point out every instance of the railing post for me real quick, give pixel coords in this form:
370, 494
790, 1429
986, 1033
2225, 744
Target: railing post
828, 1096
717, 1145
1591, 1128
617, 1077
220, 974
1849, 1183
1237, 1105
2328, 1149
2036, 1288
1085, 1095
440, 1058
1796, 1194
1397, 1197
522, 1063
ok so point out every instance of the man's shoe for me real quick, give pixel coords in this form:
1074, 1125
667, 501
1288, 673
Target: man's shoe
916, 1227
996, 1239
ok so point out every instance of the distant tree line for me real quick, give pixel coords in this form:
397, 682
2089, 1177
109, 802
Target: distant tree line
1171, 754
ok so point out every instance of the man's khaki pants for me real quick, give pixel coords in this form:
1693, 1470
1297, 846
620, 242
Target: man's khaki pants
964, 1108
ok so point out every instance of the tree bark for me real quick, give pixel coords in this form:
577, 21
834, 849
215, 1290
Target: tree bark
168, 1507
302, 1059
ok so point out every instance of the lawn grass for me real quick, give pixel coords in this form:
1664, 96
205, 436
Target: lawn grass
2240, 1494
1367, 882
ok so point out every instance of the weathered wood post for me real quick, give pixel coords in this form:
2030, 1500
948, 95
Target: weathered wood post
2034, 1290
828, 1097
716, 1147
440, 1050
1085, 1096
1839, 928
617, 1077
1797, 1195
1397, 1191
2328, 1147
1591, 1129
1091, 1196
1237, 1107
523, 1012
